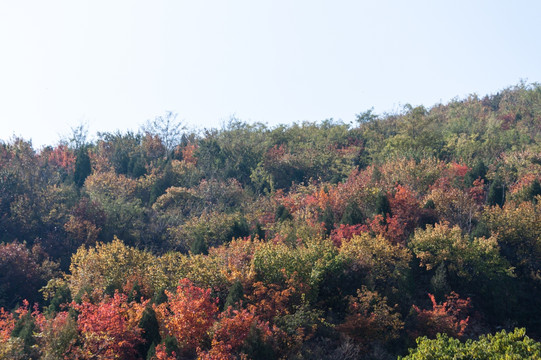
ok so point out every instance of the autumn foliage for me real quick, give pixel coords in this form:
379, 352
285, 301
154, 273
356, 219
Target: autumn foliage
370, 319
109, 329
315, 240
231, 331
188, 314
7, 323
450, 317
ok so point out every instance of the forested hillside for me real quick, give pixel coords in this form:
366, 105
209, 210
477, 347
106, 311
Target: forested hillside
308, 241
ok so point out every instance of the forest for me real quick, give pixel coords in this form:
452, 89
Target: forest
412, 235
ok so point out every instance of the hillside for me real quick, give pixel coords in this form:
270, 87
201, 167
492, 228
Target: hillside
313, 240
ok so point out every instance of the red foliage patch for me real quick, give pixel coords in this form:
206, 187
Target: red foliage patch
449, 317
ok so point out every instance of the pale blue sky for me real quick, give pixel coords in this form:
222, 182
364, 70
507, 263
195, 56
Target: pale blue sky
114, 64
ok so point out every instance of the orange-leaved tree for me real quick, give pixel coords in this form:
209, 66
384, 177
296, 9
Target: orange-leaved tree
7, 323
188, 314
109, 329
450, 317
231, 332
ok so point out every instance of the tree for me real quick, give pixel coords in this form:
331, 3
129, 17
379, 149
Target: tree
58, 335
352, 214
150, 330
370, 319
502, 345
455, 205
518, 231
519, 235
496, 193
83, 167
110, 267
466, 260
116, 195
167, 128
407, 214
451, 317
187, 315
230, 333
382, 205
234, 296
79, 135
478, 171
472, 266
381, 265
7, 323
23, 272
85, 224
61, 159
367, 116
25, 329
534, 190
122, 152
110, 328
327, 218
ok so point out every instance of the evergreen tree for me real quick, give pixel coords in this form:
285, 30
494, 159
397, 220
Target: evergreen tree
235, 295
239, 229
199, 246
478, 171
352, 214
171, 344
83, 167
159, 297
496, 193
255, 347
328, 220
535, 189
151, 331
282, 213
24, 329
383, 207
259, 231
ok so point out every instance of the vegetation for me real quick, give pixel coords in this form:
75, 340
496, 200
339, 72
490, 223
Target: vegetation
416, 234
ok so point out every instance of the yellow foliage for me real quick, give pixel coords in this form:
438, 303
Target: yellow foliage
467, 258
387, 264
110, 265
202, 270
110, 184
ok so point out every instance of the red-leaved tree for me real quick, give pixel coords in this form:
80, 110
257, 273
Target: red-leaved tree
230, 333
188, 314
450, 317
109, 329
7, 323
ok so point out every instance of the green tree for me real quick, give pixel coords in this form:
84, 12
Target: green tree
82, 166
150, 330
534, 191
502, 345
496, 193
352, 214
478, 171
383, 207
235, 295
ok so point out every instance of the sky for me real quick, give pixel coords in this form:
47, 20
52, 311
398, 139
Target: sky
113, 65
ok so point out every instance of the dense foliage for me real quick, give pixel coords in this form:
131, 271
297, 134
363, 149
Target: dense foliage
419, 230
